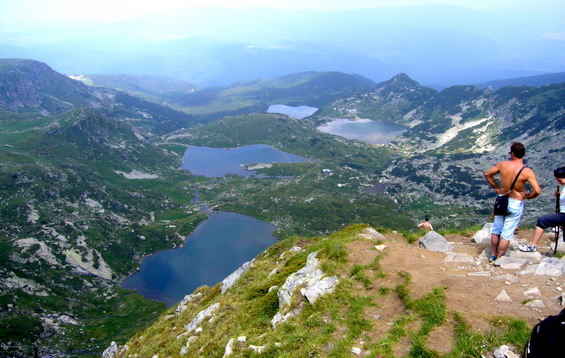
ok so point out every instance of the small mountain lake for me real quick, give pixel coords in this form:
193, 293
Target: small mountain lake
365, 130
294, 112
216, 248
217, 162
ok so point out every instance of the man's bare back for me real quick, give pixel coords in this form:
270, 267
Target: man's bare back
508, 170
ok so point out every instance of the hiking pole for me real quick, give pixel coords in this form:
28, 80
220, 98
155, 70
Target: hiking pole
557, 210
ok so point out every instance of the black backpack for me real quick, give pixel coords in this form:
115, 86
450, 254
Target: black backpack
548, 338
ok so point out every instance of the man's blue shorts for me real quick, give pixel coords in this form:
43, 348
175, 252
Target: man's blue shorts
506, 225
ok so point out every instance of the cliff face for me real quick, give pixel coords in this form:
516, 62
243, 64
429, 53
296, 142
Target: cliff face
32, 86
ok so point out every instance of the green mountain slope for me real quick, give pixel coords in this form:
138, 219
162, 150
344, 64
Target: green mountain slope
72, 224
356, 292
32, 86
309, 201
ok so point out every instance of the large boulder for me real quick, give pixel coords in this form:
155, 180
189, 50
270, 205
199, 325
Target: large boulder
482, 236
435, 242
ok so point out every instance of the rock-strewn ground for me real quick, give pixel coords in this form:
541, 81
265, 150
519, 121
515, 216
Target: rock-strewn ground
474, 287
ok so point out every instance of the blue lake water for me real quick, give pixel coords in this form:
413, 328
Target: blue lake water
216, 248
217, 162
294, 112
366, 130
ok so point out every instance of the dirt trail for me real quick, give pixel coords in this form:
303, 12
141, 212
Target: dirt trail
471, 288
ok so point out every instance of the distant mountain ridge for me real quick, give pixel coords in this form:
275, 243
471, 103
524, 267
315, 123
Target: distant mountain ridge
30, 86
315, 89
530, 81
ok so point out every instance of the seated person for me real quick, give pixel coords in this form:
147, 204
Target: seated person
552, 220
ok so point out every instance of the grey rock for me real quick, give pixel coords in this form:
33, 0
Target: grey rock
234, 276
372, 234
185, 301
510, 263
535, 304
319, 288
550, 266
201, 316
532, 292
309, 281
505, 352
435, 242
111, 351
528, 271
503, 297
229, 347
459, 258
483, 236
532, 257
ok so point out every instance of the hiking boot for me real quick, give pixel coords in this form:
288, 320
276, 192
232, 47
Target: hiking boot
492, 258
528, 248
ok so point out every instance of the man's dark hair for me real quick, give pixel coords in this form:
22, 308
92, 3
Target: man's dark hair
559, 172
518, 149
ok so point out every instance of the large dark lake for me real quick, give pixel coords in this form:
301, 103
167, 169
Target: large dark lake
217, 162
216, 248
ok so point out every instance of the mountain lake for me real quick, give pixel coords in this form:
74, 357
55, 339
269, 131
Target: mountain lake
294, 112
219, 245
222, 243
365, 130
217, 162
216, 248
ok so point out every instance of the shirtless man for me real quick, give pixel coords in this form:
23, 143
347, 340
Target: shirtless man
504, 226
426, 225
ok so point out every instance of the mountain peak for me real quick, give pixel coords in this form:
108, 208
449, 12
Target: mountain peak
25, 83
400, 81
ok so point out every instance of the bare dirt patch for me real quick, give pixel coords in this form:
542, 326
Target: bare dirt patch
471, 289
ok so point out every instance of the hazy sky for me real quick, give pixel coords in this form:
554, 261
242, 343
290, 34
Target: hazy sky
108, 10
470, 42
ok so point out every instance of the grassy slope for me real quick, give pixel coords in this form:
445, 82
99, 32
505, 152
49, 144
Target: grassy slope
334, 324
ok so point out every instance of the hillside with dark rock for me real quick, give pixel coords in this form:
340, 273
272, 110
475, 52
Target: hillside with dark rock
455, 135
32, 86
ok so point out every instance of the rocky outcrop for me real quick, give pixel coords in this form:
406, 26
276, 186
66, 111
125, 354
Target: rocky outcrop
234, 277
310, 282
